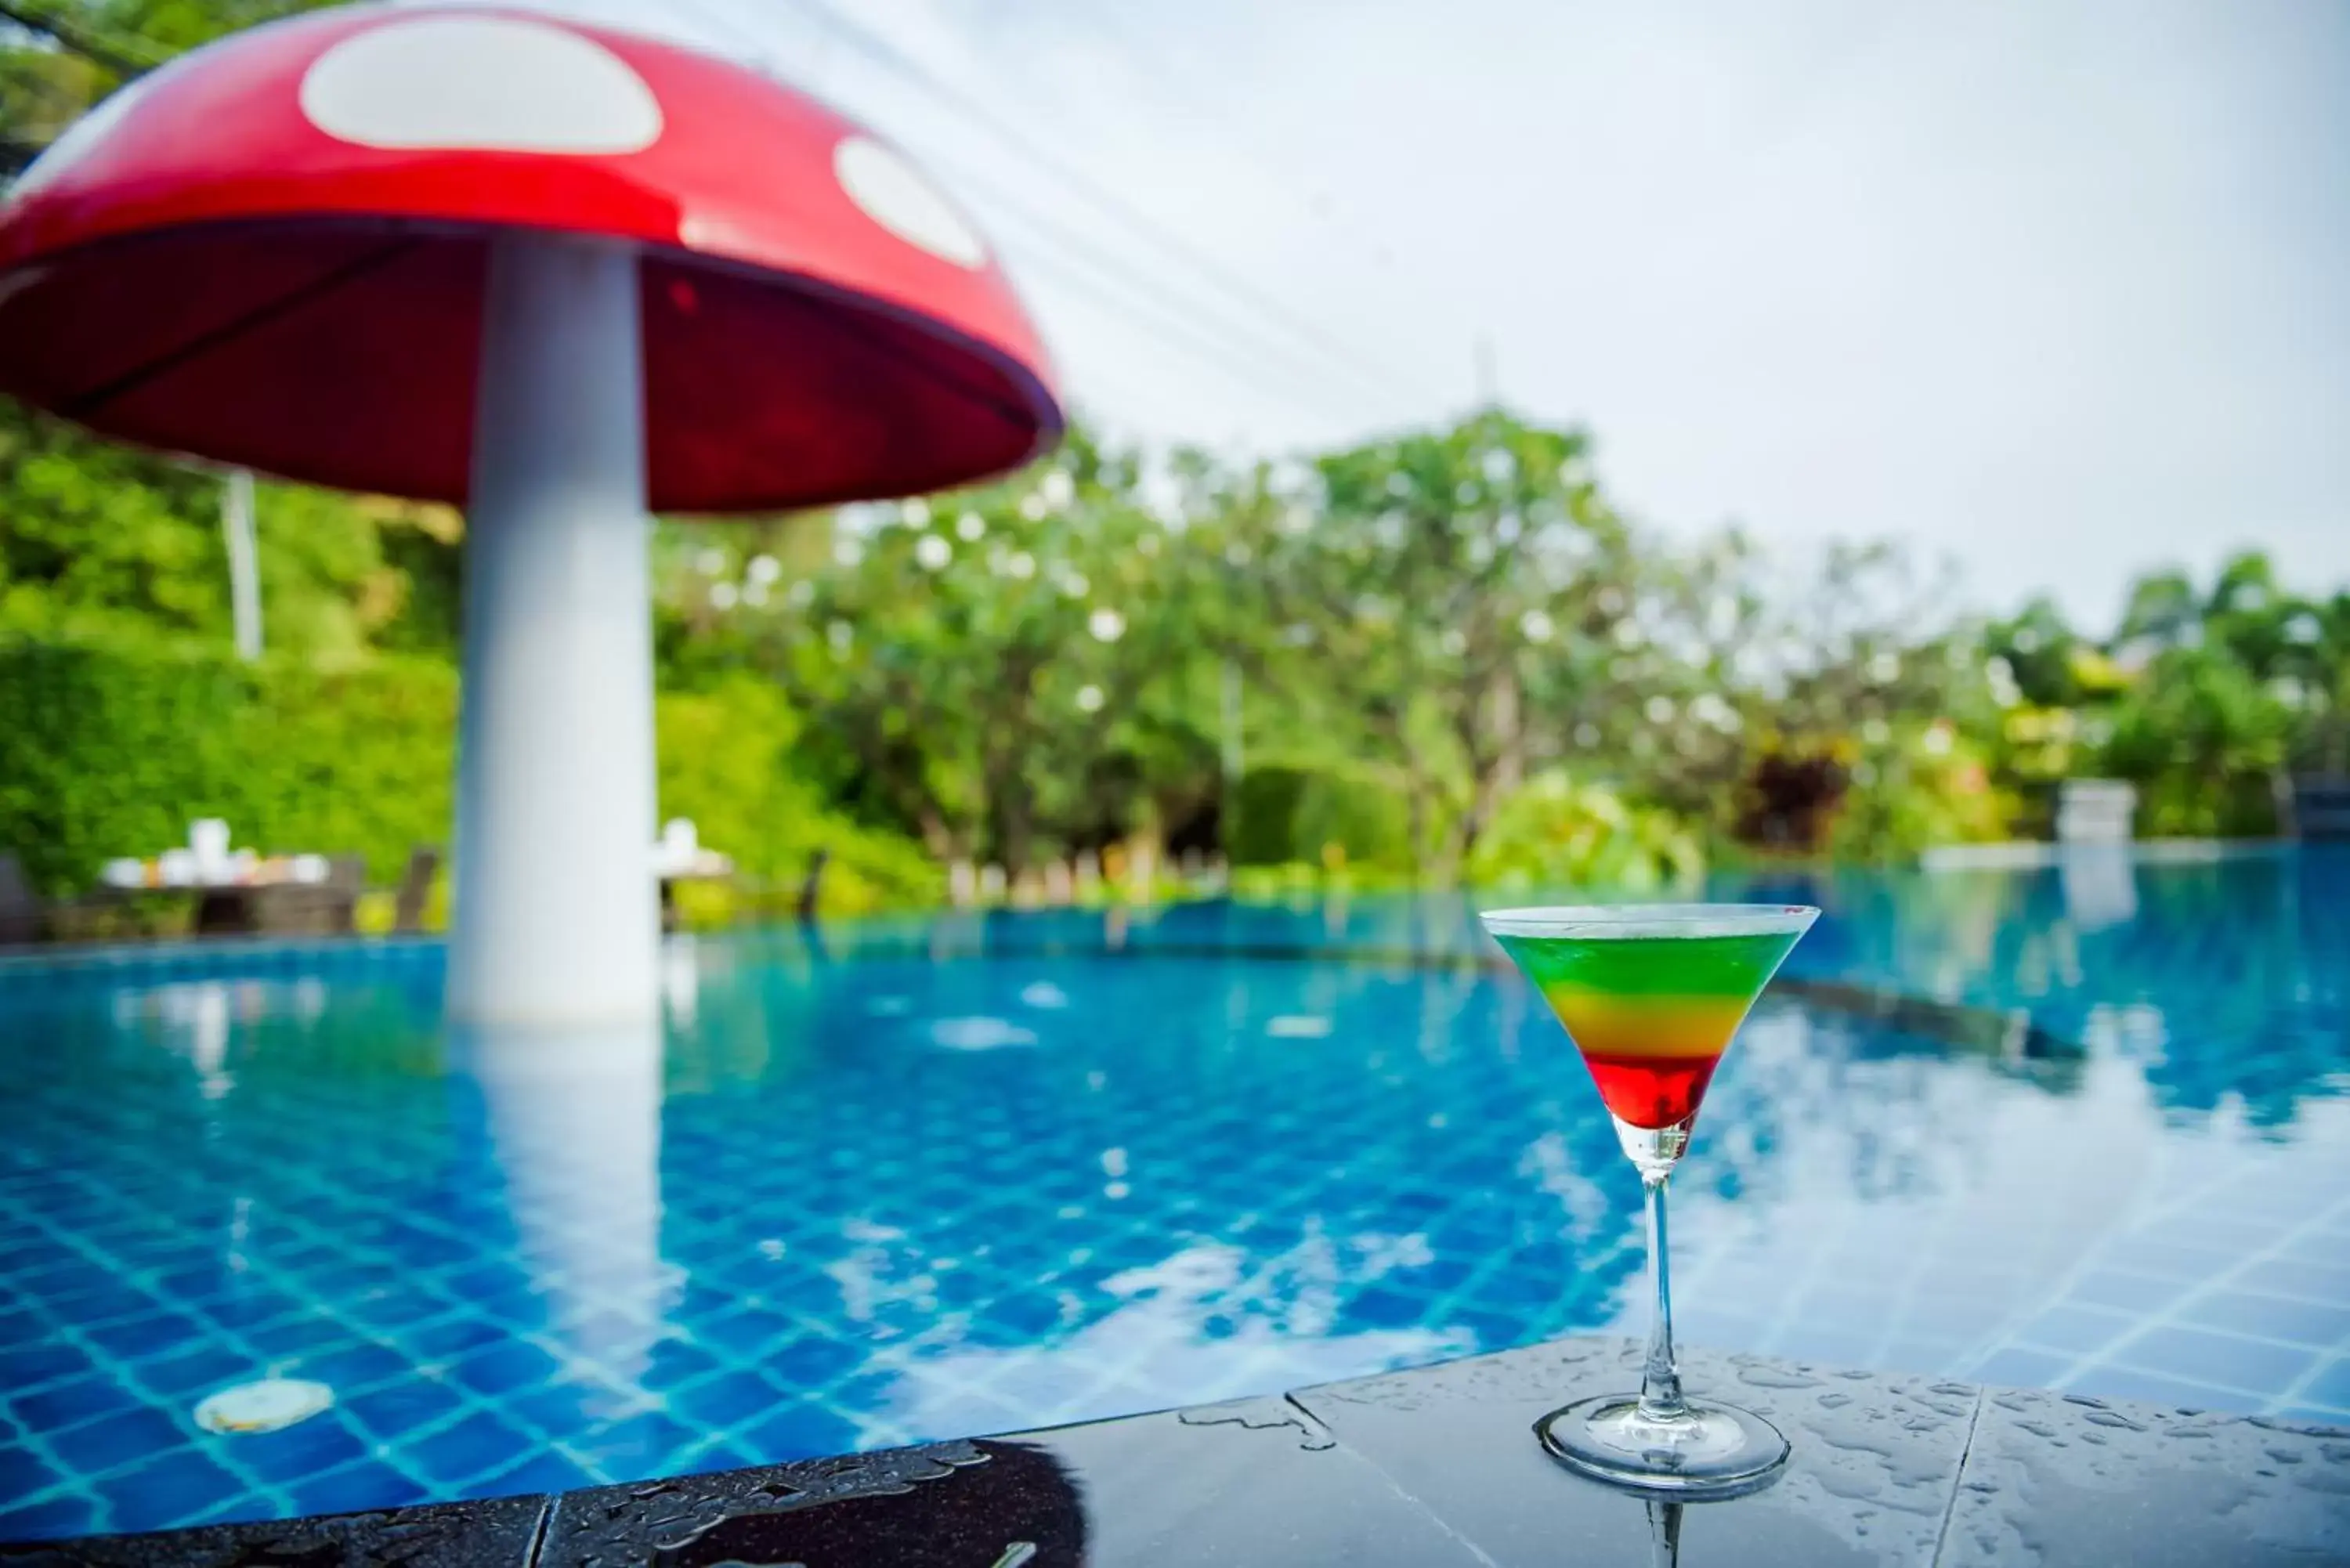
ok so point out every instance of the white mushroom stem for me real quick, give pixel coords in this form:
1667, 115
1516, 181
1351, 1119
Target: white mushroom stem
557, 919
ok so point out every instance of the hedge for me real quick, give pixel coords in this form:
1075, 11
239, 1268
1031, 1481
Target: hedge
109, 750
1286, 815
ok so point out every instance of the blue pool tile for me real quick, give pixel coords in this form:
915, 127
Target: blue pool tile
812, 1361
192, 1373
172, 1488
552, 1408
809, 1182
21, 1328
397, 1308
545, 1471
2316, 1323
1488, 1330
2166, 1259
639, 1446
356, 1489
1925, 1356
1022, 1317
2079, 1329
117, 1439
2321, 1282
23, 1473
395, 1409
743, 1334
1949, 1317
797, 1430
679, 1361
2017, 1367
1851, 1311
2331, 1386
30, 1365
727, 1399
307, 1449
1381, 1307
717, 1455
450, 1338
241, 1304
353, 1365
499, 1369
148, 1333
49, 1518
74, 1286
2126, 1291
2110, 1382
299, 1333
68, 1404
1824, 1345
2202, 1356
476, 1446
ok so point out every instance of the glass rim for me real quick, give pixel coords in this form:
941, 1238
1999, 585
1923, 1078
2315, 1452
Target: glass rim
1629, 921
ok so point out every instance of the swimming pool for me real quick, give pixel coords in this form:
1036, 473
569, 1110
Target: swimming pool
922, 1179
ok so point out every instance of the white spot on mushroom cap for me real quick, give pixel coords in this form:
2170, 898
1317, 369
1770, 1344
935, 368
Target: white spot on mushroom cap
487, 83
901, 198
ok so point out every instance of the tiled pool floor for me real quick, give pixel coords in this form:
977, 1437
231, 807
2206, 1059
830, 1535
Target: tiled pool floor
932, 1180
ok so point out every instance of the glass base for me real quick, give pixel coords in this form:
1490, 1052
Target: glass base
1715, 1450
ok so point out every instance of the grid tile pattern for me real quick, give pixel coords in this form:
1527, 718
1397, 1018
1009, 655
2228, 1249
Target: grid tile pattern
938, 1178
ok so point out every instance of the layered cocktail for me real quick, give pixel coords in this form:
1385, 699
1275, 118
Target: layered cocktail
1652, 994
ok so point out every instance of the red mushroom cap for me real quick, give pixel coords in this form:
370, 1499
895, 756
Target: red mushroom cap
272, 252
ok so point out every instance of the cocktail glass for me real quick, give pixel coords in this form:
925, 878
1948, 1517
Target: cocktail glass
1651, 994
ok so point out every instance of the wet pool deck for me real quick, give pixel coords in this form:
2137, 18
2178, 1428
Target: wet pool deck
1432, 1468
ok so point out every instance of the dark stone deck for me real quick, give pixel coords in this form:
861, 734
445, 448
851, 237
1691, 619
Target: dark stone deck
1429, 1469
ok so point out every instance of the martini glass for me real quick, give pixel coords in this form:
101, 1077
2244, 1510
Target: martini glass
1650, 995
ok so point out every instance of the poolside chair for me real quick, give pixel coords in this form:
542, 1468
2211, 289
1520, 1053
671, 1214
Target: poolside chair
2096, 811
23, 916
415, 889
2317, 805
323, 909
812, 888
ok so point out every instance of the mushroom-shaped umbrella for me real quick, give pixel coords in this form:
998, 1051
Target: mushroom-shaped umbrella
558, 275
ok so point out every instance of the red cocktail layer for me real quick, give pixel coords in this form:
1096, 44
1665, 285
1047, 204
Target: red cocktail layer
1651, 1091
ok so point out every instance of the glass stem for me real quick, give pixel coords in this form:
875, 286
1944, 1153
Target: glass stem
1660, 1380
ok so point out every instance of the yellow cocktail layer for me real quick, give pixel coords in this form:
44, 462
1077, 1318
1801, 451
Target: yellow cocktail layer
1612, 1024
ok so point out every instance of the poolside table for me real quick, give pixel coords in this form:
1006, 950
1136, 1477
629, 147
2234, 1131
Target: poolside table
244, 895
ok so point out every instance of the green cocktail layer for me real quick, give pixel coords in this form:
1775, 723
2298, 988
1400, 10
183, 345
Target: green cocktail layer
1650, 1014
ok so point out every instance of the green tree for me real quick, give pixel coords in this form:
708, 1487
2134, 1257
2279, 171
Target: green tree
1448, 595
1004, 672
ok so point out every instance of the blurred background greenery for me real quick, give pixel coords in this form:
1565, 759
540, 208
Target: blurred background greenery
1438, 657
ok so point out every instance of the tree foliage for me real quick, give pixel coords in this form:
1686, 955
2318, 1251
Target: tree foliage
1445, 652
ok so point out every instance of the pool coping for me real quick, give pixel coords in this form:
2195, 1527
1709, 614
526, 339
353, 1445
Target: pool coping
1433, 1467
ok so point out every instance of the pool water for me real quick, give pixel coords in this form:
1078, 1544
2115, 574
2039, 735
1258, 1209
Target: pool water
925, 1178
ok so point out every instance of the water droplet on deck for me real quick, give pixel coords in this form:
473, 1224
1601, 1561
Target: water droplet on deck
1774, 1378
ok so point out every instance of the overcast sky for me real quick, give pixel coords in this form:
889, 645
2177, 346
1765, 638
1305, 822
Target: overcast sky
2061, 290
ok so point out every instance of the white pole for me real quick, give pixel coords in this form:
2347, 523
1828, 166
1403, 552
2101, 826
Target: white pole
557, 914
243, 562
1231, 716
